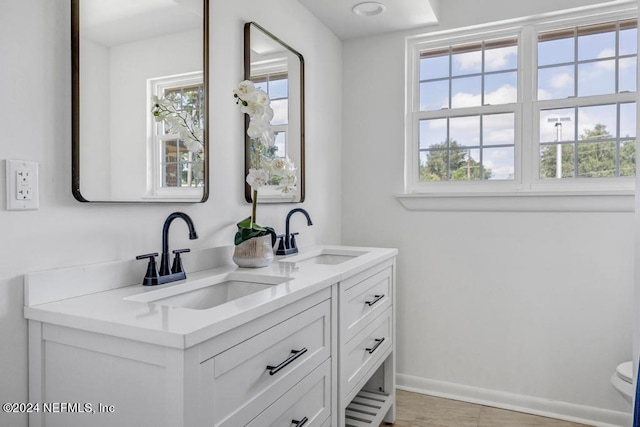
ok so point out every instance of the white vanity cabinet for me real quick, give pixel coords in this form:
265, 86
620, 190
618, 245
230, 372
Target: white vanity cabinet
366, 364
276, 366
314, 348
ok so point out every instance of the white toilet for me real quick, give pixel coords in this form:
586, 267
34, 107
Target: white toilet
622, 380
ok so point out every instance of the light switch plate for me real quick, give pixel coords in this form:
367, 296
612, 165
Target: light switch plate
22, 185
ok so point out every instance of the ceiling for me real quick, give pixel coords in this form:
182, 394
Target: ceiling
399, 15
113, 22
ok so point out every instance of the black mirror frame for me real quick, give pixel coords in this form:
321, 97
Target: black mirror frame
247, 76
75, 108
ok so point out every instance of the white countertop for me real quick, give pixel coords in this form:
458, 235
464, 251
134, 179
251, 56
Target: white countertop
86, 298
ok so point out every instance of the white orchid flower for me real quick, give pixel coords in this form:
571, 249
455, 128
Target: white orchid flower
257, 178
245, 88
282, 166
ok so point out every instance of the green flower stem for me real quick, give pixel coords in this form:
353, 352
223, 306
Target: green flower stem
253, 207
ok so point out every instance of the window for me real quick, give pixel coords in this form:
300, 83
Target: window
468, 94
177, 144
276, 85
588, 76
543, 106
272, 76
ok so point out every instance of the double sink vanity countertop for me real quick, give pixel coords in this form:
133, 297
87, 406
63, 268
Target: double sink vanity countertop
100, 298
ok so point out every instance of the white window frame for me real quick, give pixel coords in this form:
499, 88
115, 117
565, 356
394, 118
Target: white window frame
526, 191
157, 86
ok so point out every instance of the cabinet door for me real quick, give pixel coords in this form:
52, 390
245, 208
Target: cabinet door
251, 375
307, 404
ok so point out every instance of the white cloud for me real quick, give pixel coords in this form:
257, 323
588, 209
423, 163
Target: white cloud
462, 100
497, 59
494, 59
503, 95
469, 60
560, 81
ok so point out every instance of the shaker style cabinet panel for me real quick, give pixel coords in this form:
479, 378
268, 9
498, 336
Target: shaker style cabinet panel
362, 301
308, 403
243, 385
361, 353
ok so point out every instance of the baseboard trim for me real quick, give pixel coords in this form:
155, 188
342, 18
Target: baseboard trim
515, 402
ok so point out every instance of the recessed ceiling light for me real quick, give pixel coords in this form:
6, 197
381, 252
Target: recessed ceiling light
368, 8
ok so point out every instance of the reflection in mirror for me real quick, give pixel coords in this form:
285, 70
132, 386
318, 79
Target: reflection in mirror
140, 100
277, 69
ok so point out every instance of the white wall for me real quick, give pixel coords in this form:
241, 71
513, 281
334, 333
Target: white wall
510, 307
35, 77
95, 154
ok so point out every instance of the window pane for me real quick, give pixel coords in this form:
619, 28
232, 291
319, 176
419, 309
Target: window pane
498, 129
466, 63
498, 163
170, 175
433, 133
278, 88
557, 51
280, 143
434, 165
549, 165
597, 159
501, 88
557, 125
280, 111
464, 164
601, 45
597, 122
627, 120
555, 83
434, 67
596, 78
466, 92
465, 131
627, 76
628, 158
434, 95
504, 58
628, 42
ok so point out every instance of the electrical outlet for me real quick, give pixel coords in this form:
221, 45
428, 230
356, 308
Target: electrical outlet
22, 185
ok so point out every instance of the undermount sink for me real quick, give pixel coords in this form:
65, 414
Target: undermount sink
325, 256
210, 292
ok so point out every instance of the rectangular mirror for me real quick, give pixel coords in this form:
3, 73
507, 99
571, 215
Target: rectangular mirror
278, 69
140, 100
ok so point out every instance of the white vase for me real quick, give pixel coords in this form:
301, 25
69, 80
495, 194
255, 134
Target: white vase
254, 253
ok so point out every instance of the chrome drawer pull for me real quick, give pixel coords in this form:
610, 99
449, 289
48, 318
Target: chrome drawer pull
375, 347
294, 355
377, 298
301, 422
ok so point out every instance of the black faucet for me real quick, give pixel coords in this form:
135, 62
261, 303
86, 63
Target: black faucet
287, 245
166, 275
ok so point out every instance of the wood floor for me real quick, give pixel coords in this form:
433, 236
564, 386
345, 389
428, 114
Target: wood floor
418, 410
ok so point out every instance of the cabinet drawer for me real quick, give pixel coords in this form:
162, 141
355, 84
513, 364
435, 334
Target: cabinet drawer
253, 374
365, 351
364, 301
310, 399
